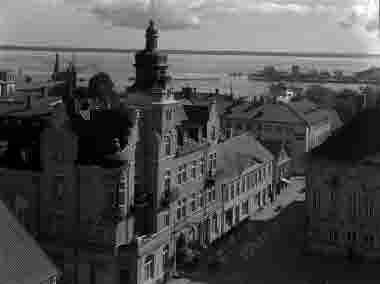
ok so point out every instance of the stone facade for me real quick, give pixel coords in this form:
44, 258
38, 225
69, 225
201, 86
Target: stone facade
342, 207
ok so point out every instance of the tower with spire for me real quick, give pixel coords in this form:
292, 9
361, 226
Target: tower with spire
151, 65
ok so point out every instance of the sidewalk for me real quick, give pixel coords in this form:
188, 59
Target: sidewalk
291, 194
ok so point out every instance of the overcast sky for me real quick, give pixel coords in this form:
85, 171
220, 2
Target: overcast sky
275, 25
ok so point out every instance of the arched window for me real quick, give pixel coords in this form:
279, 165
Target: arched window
167, 145
149, 267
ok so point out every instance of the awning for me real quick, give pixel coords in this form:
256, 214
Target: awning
285, 180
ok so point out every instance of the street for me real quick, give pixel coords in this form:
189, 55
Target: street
269, 251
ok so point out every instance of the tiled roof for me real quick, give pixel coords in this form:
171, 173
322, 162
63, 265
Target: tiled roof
356, 140
22, 261
238, 153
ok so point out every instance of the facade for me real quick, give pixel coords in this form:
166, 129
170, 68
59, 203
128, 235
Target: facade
244, 180
342, 191
282, 165
7, 83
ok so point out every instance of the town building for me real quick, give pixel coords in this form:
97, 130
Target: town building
342, 191
70, 180
300, 125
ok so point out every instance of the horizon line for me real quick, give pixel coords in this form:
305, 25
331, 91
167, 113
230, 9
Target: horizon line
189, 51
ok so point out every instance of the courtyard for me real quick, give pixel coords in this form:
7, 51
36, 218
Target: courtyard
268, 249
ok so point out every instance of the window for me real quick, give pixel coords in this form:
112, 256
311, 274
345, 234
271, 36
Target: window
194, 169
213, 194
369, 207
243, 184
316, 200
209, 196
193, 203
181, 177
225, 192
184, 208
166, 219
178, 213
202, 165
149, 267
333, 236
169, 114
59, 188
213, 133
355, 204
245, 207
121, 195
232, 190
167, 145
212, 162
247, 184
165, 257
237, 185
201, 201
167, 181
215, 223
332, 196
184, 173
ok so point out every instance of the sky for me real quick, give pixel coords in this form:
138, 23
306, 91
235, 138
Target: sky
256, 25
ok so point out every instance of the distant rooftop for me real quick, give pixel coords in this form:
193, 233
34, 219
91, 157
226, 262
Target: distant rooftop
239, 153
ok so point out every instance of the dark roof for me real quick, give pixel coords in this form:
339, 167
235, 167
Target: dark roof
354, 141
96, 136
275, 147
198, 115
22, 261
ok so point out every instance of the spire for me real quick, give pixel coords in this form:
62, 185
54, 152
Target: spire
151, 36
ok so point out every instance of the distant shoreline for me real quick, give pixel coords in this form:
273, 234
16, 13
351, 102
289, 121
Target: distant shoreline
189, 52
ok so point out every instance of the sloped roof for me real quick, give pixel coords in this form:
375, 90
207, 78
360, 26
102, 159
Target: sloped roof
356, 140
274, 112
309, 111
22, 261
238, 153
